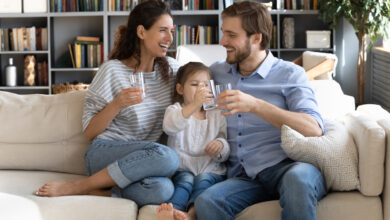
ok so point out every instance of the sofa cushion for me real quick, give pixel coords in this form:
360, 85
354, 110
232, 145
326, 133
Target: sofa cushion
334, 154
346, 206
329, 94
18, 202
369, 138
42, 132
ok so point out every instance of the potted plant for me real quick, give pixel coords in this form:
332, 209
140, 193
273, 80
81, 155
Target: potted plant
369, 18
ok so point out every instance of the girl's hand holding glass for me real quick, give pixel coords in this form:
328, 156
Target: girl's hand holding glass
202, 94
214, 148
128, 97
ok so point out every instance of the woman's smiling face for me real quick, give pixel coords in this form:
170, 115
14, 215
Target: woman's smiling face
159, 37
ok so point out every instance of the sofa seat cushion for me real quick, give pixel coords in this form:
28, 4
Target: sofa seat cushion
335, 206
17, 200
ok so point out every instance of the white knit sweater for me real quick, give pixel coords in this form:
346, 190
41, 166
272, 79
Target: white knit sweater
189, 137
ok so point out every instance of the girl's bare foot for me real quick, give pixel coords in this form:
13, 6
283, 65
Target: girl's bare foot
179, 215
165, 212
71, 187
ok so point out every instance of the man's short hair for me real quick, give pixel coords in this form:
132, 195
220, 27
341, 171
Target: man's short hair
255, 19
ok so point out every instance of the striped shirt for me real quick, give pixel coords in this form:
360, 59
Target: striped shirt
142, 121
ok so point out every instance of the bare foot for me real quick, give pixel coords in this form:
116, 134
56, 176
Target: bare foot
71, 187
179, 215
165, 212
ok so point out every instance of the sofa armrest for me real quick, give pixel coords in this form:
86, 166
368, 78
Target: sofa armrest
385, 124
377, 113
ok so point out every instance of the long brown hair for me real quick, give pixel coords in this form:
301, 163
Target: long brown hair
127, 43
183, 74
255, 19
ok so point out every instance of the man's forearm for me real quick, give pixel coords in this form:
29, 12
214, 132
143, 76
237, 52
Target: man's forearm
301, 122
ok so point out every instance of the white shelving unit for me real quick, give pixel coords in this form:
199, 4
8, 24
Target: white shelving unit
63, 27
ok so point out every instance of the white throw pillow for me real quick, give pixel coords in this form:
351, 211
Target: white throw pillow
334, 154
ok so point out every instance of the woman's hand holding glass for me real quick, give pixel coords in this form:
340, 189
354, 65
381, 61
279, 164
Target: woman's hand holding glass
128, 97
214, 148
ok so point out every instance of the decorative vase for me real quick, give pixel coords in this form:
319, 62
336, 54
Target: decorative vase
10, 73
288, 33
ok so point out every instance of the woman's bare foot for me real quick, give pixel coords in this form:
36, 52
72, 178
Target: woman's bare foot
165, 212
71, 187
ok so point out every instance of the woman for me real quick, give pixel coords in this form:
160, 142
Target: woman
124, 158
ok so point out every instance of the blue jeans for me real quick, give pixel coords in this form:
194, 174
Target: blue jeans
139, 168
298, 186
188, 187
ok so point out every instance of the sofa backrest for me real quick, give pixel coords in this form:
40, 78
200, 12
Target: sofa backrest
207, 54
42, 132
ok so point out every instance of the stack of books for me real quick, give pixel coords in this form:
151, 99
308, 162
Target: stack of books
86, 52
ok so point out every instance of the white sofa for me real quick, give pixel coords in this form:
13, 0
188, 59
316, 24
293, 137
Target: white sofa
41, 141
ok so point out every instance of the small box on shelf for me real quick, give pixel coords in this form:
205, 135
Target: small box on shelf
34, 6
318, 39
7, 6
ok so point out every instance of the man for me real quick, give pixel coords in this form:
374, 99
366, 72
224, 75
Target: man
267, 93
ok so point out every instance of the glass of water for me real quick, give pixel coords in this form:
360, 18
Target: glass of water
220, 88
208, 105
137, 81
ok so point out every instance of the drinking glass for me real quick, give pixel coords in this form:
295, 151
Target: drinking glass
208, 105
137, 81
220, 88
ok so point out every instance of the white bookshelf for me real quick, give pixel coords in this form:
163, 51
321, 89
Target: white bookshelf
63, 27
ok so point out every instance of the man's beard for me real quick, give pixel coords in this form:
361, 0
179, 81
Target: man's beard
241, 54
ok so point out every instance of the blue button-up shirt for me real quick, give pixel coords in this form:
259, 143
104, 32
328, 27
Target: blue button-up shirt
254, 143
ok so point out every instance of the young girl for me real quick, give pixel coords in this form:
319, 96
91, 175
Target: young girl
198, 136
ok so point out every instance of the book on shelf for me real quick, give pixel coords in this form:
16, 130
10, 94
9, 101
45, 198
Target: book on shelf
34, 6
201, 4
42, 73
76, 5
294, 4
121, 5
88, 38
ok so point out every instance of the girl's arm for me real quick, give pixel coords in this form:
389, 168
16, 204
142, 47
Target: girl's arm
174, 121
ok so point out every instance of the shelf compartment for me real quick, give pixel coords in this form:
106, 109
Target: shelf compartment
88, 26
